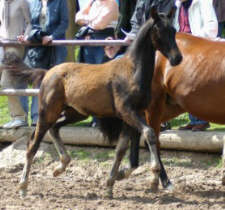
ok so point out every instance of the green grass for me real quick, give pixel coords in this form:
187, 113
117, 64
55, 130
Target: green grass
4, 114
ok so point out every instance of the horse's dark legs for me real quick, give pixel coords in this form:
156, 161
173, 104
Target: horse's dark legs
121, 149
71, 116
132, 118
134, 156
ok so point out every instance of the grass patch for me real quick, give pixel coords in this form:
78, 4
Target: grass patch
178, 162
80, 154
216, 162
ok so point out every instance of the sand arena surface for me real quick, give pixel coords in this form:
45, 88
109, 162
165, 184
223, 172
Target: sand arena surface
196, 178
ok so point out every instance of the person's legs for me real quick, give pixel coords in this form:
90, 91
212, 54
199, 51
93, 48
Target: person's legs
196, 121
221, 25
16, 110
34, 110
17, 105
195, 124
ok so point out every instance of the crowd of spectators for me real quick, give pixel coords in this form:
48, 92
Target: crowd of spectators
41, 21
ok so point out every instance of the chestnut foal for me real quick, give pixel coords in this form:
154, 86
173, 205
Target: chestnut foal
117, 91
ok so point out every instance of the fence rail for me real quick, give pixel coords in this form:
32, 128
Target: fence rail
19, 92
6, 42
34, 92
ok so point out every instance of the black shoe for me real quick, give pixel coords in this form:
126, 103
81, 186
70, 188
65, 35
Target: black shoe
165, 126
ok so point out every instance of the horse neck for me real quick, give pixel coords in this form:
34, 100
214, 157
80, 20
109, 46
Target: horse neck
142, 53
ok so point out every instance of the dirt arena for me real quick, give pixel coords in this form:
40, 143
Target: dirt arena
196, 177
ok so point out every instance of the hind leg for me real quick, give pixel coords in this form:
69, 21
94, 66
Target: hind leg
132, 118
71, 116
121, 149
32, 148
48, 113
134, 156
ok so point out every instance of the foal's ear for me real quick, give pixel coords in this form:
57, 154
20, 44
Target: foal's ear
172, 13
154, 13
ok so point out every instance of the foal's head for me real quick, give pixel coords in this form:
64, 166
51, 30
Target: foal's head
163, 37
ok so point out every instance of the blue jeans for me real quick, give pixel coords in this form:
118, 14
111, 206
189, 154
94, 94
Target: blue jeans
221, 26
93, 55
34, 107
195, 121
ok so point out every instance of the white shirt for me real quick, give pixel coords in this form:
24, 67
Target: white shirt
202, 18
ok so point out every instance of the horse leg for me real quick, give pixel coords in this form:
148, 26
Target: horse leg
164, 113
32, 147
49, 112
132, 118
121, 149
134, 156
71, 116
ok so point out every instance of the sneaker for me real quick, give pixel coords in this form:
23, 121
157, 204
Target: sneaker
186, 127
15, 124
165, 126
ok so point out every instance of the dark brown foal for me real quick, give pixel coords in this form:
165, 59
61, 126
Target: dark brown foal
119, 89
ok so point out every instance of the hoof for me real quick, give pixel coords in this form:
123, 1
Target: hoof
62, 167
58, 171
154, 185
169, 188
23, 190
109, 193
23, 193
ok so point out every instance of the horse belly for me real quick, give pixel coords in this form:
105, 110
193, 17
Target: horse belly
208, 107
97, 102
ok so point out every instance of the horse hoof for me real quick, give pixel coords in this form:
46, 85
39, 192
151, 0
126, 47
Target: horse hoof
109, 193
58, 171
170, 188
23, 189
23, 193
154, 185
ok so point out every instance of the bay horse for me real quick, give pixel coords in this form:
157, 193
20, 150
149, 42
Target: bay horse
196, 86
116, 92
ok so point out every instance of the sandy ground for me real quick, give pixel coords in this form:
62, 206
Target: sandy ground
196, 178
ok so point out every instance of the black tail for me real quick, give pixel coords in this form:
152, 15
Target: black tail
111, 128
32, 76
13, 63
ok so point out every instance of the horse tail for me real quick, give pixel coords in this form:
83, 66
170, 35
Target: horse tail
32, 76
111, 128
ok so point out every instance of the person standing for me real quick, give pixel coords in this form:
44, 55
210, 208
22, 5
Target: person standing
15, 21
198, 18
142, 13
49, 19
100, 17
219, 6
